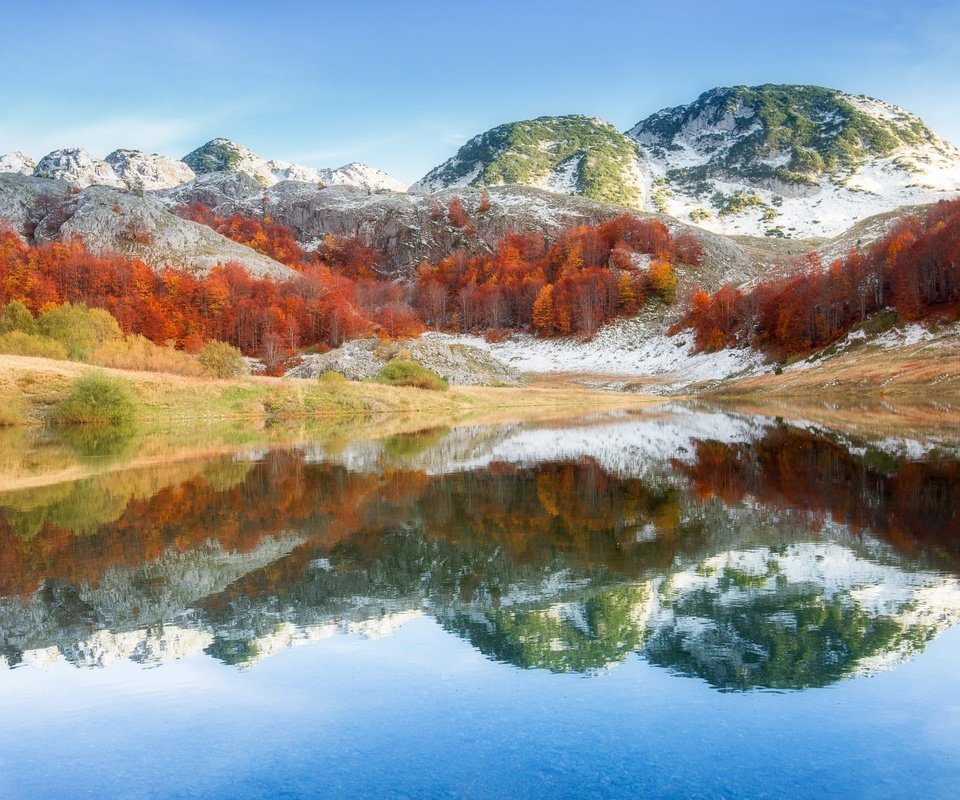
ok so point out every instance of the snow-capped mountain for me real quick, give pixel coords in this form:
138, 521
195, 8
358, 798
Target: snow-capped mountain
147, 171
781, 161
223, 155
571, 155
362, 176
791, 161
76, 166
17, 162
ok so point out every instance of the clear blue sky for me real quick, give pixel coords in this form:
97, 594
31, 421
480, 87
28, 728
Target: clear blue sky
402, 85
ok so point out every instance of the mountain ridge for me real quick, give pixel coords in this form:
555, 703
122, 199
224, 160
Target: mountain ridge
774, 160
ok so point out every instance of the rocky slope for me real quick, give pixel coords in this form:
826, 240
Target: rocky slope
145, 171
459, 364
412, 227
571, 155
76, 166
108, 220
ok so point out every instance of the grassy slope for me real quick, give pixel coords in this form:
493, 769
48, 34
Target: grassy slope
915, 371
32, 386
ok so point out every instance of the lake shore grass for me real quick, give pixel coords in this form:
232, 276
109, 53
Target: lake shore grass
32, 388
911, 373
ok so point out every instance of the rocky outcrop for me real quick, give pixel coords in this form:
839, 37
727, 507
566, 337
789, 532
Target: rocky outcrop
145, 171
109, 221
77, 167
223, 155
361, 176
17, 162
459, 364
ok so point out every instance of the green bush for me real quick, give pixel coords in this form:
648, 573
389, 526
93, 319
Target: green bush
408, 373
18, 343
332, 380
221, 360
78, 328
17, 317
96, 399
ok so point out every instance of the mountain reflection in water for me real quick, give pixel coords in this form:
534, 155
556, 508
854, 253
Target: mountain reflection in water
745, 553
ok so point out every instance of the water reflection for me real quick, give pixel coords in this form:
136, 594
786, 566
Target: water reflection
746, 553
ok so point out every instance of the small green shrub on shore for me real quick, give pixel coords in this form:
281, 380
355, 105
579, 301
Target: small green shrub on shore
332, 380
401, 372
96, 400
221, 360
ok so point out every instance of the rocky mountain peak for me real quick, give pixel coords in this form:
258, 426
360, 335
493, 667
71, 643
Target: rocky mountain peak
571, 154
224, 155
17, 162
76, 166
148, 171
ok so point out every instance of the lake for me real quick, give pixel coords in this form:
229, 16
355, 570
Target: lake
678, 603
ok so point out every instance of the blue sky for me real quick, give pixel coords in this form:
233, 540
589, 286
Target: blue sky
402, 85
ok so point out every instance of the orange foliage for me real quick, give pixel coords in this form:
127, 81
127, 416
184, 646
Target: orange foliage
915, 269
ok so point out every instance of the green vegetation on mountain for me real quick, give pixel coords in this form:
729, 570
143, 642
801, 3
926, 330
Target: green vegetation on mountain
819, 130
218, 155
527, 152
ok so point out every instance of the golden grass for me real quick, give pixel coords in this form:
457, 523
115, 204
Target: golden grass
35, 385
186, 417
918, 371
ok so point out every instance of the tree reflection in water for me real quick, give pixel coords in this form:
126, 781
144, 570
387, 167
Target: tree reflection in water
779, 560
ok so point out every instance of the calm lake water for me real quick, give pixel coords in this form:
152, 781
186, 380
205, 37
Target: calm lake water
678, 604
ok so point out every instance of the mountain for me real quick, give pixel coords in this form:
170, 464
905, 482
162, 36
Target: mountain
791, 161
17, 162
77, 167
148, 171
224, 155
572, 155
775, 161
353, 174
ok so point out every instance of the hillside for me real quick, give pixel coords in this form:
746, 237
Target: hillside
570, 155
791, 161
780, 161
108, 220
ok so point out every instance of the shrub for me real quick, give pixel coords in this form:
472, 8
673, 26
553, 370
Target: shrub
221, 360
332, 380
18, 343
96, 400
138, 352
78, 328
409, 373
17, 317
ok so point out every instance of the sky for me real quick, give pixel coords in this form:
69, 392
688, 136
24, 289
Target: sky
401, 85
